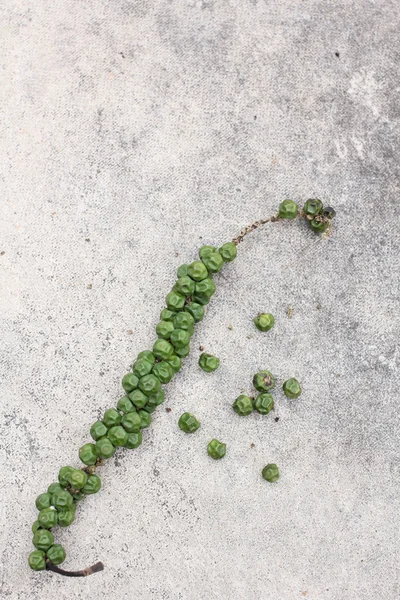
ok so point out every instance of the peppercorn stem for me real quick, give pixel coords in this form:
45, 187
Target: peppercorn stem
253, 226
84, 573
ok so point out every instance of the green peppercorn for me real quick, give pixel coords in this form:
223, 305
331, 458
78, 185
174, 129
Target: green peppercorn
183, 320
291, 388
47, 518
163, 371
112, 417
62, 500
157, 398
63, 475
87, 454
196, 310
163, 349
214, 262
182, 270
98, 430
131, 422
319, 226
175, 300
77, 496
328, 212
180, 338
104, 448
185, 285
264, 403
270, 473
150, 384
167, 314
205, 288
263, 381
164, 329
43, 501
77, 478
150, 406
216, 449
228, 251
142, 367
37, 560
43, 539
66, 517
183, 352
312, 207
243, 405
175, 363
117, 435
138, 398
188, 423
288, 209
35, 526
205, 251
145, 419
134, 440
54, 487
125, 405
56, 554
147, 355
264, 321
130, 382
93, 485
208, 362
197, 270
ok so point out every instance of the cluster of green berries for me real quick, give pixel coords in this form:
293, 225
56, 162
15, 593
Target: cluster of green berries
263, 403
313, 210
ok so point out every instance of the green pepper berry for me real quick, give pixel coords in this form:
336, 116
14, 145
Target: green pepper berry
264, 403
93, 485
147, 355
131, 422
264, 321
205, 288
54, 487
228, 251
197, 270
145, 418
263, 381
196, 310
329, 212
47, 518
163, 349
150, 384
66, 517
183, 320
43, 539
111, 417
43, 501
208, 362
188, 423
98, 430
216, 449
312, 207
142, 367
175, 300
63, 475
319, 226
164, 329
117, 435
243, 405
125, 405
157, 398
62, 500
77, 478
35, 526
292, 388
183, 352
130, 382
288, 209
182, 270
270, 473
163, 371
87, 454
77, 496
138, 398
214, 262
56, 554
180, 338
185, 285
167, 314
175, 363
104, 448
205, 251
134, 440
37, 560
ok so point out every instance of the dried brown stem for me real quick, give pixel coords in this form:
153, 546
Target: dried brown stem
84, 573
254, 226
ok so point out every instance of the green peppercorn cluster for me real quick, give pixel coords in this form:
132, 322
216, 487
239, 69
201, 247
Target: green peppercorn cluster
316, 214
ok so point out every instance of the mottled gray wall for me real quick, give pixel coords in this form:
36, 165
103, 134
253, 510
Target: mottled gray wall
131, 133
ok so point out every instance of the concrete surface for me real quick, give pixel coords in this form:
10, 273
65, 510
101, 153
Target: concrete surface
131, 133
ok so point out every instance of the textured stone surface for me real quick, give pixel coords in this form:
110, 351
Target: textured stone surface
131, 133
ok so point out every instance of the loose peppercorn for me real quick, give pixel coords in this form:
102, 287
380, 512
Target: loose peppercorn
185, 285
62, 500
125, 405
188, 423
130, 382
142, 367
43, 501
164, 329
243, 405
183, 320
98, 430
270, 473
264, 321
56, 554
77, 478
175, 300
163, 371
163, 349
183, 352
328, 212
131, 422
292, 388
319, 226
263, 381
206, 251
37, 560
104, 448
197, 270
264, 403
216, 449
228, 251
87, 454
117, 435
66, 517
145, 419
196, 310
150, 384
312, 208
175, 363
92, 485
167, 314
134, 440
138, 398
111, 417
214, 262
147, 355
180, 338
43, 539
47, 518
208, 362
288, 209
182, 271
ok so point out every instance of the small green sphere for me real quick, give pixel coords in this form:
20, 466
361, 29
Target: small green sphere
117, 435
54, 487
319, 226
138, 398
292, 388
216, 449
43, 539
183, 352
63, 476
147, 355
196, 310
163, 349
164, 329
270, 473
93, 485
47, 518
167, 314
183, 320
205, 288
175, 301
111, 418
182, 271
180, 338
175, 362
43, 501
163, 371
77, 478
37, 560
264, 321
62, 500
264, 403
104, 448
228, 251
188, 423
87, 454
197, 270
185, 285
145, 418
243, 405
206, 251
288, 209
157, 398
66, 517
35, 526
263, 381
312, 207
150, 384
208, 362
56, 554
129, 382
125, 405
134, 440
131, 422
214, 262
98, 430
142, 367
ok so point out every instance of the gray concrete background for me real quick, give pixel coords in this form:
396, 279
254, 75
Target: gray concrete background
131, 133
